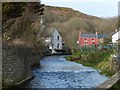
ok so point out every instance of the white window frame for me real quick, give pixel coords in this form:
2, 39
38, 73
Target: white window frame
93, 40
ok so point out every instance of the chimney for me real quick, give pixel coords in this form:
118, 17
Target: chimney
79, 32
79, 35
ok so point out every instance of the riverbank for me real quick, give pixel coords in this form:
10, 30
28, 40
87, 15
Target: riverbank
100, 60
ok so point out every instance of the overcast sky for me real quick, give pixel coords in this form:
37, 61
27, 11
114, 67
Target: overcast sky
100, 8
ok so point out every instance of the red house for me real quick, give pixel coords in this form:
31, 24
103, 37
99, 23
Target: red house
87, 39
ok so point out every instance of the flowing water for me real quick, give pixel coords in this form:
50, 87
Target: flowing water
56, 72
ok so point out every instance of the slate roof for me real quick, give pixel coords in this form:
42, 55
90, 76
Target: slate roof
102, 35
94, 35
88, 35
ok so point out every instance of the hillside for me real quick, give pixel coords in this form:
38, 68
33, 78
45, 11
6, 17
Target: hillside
66, 13
69, 22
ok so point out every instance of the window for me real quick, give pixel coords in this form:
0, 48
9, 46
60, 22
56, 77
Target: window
63, 44
85, 40
58, 38
93, 40
52, 37
58, 46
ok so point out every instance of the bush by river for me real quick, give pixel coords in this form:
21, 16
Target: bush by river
99, 59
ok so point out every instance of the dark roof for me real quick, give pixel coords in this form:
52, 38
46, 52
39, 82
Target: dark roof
94, 35
102, 35
88, 35
112, 33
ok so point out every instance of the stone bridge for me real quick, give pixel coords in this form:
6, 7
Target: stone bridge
16, 64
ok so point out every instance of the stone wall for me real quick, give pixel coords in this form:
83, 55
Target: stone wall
16, 64
35, 60
115, 63
1, 75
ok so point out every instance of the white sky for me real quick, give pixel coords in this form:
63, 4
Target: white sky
100, 8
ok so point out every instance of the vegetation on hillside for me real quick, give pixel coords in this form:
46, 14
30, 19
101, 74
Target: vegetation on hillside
12, 10
21, 25
69, 22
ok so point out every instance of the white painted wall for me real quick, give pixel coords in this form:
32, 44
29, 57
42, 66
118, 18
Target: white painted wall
116, 37
55, 43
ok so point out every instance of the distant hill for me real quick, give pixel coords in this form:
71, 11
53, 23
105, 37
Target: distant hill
67, 12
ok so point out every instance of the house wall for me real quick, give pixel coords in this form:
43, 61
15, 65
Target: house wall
100, 40
115, 37
81, 40
88, 41
55, 41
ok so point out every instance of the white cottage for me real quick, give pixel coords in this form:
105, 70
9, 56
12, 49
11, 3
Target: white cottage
54, 42
116, 37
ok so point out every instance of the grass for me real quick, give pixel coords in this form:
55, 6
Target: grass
100, 60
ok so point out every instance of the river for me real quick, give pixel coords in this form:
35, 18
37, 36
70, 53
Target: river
57, 72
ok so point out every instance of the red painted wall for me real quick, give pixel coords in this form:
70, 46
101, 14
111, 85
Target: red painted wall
82, 42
